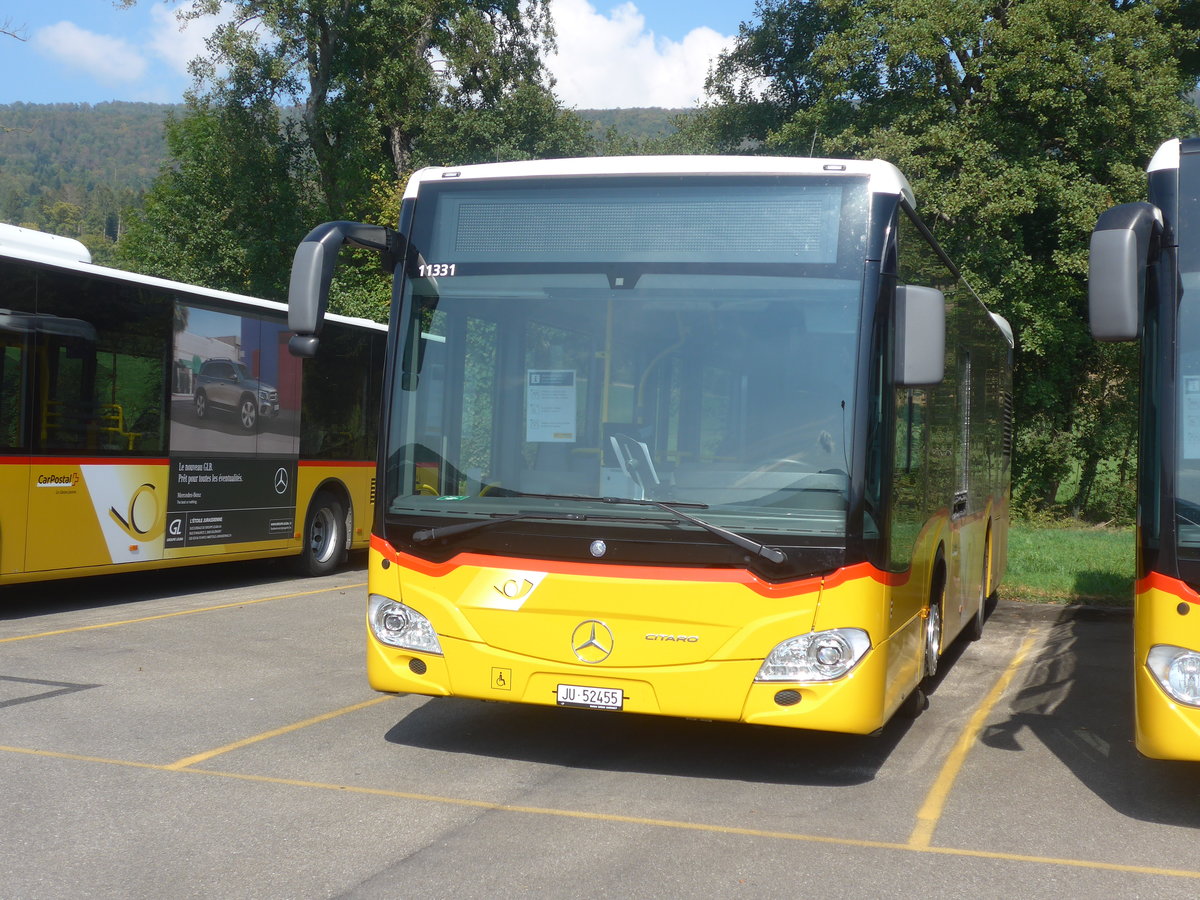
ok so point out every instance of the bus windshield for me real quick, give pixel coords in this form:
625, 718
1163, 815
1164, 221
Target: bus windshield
1187, 476
686, 340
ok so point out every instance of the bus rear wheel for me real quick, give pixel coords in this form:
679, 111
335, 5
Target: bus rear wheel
975, 626
324, 547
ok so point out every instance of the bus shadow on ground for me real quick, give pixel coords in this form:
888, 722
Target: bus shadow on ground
1077, 700
649, 745
655, 745
95, 592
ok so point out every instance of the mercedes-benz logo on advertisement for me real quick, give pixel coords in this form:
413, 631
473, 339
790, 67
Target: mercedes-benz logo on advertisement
592, 641
281, 480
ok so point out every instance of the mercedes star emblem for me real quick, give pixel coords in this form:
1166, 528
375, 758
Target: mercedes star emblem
592, 641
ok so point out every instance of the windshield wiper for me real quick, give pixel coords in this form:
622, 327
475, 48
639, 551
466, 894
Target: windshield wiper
425, 535
613, 500
771, 554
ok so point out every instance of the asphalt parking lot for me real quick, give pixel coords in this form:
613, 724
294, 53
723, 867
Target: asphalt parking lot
209, 733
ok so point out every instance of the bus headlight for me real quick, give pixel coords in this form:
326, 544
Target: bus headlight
820, 656
398, 625
1177, 670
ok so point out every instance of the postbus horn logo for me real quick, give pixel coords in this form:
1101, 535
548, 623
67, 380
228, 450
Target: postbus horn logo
142, 521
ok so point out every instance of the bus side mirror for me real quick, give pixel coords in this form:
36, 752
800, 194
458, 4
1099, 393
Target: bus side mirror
312, 274
308, 295
1117, 259
920, 336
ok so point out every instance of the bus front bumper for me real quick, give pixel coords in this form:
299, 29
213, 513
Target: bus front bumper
717, 690
1165, 616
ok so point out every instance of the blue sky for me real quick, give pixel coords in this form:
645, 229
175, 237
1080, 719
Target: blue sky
636, 53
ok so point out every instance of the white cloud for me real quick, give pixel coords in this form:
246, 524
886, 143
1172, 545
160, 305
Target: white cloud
178, 43
611, 61
109, 60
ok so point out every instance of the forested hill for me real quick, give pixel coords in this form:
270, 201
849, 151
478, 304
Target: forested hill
73, 168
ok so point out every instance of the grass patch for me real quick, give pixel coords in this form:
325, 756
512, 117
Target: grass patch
1073, 564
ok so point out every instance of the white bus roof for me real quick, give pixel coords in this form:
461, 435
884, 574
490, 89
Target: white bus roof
29, 244
1166, 157
26, 244
884, 177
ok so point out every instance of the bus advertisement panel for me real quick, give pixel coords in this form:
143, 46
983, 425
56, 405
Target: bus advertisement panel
147, 423
235, 430
725, 438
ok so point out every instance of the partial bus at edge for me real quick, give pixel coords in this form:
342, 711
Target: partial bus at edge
713, 437
146, 423
1144, 285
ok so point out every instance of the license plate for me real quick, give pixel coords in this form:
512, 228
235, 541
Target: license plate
590, 697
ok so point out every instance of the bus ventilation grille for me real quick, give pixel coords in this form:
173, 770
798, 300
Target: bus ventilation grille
372, 491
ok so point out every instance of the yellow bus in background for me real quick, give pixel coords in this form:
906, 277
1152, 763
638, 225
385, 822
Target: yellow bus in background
1144, 284
145, 423
716, 437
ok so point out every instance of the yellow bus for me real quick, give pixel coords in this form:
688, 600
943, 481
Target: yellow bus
1144, 284
145, 423
725, 438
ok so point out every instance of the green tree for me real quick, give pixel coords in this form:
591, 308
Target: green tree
224, 212
367, 80
1017, 123
368, 91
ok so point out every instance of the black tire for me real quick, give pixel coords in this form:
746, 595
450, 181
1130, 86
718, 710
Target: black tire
324, 547
975, 626
201, 404
914, 704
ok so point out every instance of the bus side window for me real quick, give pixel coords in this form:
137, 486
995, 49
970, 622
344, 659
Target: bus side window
12, 392
340, 411
102, 381
908, 506
910, 431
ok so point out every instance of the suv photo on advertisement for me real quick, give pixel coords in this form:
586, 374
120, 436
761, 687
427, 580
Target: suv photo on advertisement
228, 385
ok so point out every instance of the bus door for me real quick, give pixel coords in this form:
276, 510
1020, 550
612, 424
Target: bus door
14, 438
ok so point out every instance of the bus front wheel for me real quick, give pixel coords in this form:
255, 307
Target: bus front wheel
932, 632
324, 547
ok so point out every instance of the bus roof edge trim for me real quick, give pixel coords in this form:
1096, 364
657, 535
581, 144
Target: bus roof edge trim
40, 245
14, 249
885, 177
1165, 157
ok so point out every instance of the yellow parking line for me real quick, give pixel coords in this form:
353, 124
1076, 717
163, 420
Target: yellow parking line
935, 801
628, 820
712, 829
245, 742
185, 612
78, 757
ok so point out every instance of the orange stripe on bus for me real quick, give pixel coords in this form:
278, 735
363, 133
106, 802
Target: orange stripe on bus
84, 461
646, 573
1159, 582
